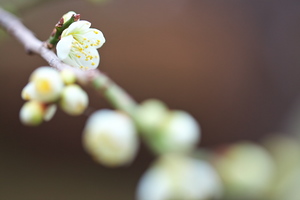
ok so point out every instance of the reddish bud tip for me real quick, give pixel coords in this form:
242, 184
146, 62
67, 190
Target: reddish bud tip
76, 17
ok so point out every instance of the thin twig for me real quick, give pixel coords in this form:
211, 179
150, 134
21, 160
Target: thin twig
110, 90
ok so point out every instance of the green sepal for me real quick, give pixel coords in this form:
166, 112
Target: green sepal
59, 28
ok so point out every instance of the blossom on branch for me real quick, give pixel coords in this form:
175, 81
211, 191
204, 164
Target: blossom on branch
78, 45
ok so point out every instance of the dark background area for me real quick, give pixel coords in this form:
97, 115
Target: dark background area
234, 65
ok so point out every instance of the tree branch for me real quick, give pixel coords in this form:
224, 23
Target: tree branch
110, 90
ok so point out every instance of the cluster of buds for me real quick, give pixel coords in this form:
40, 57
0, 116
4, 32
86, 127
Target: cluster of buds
45, 89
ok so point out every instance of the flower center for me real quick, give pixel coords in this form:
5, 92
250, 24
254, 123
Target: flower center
43, 86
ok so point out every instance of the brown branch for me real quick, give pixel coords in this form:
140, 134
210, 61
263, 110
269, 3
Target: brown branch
110, 90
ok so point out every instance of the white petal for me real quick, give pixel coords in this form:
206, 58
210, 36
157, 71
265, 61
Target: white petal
28, 92
86, 59
68, 15
93, 37
64, 46
50, 110
76, 28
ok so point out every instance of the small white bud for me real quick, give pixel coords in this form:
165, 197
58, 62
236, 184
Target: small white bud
179, 177
74, 100
245, 165
150, 114
68, 76
47, 84
32, 113
178, 132
110, 137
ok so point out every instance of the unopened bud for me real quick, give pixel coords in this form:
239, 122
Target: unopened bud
178, 177
245, 165
68, 76
32, 113
150, 114
180, 132
110, 137
74, 100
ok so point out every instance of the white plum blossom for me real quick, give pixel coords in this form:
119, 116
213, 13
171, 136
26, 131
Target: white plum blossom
78, 45
111, 138
74, 100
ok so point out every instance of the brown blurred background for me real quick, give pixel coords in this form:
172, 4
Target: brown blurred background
234, 65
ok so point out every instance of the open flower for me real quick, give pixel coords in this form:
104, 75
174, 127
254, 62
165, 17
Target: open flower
78, 45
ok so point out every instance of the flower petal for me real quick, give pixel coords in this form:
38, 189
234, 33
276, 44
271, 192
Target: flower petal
76, 28
93, 37
68, 15
64, 46
87, 58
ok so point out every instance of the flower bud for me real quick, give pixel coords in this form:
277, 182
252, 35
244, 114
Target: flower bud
74, 100
178, 132
110, 137
32, 113
179, 177
68, 76
247, 171
150, 114
47, 84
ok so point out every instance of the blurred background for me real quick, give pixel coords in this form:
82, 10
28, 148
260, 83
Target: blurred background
234, 65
